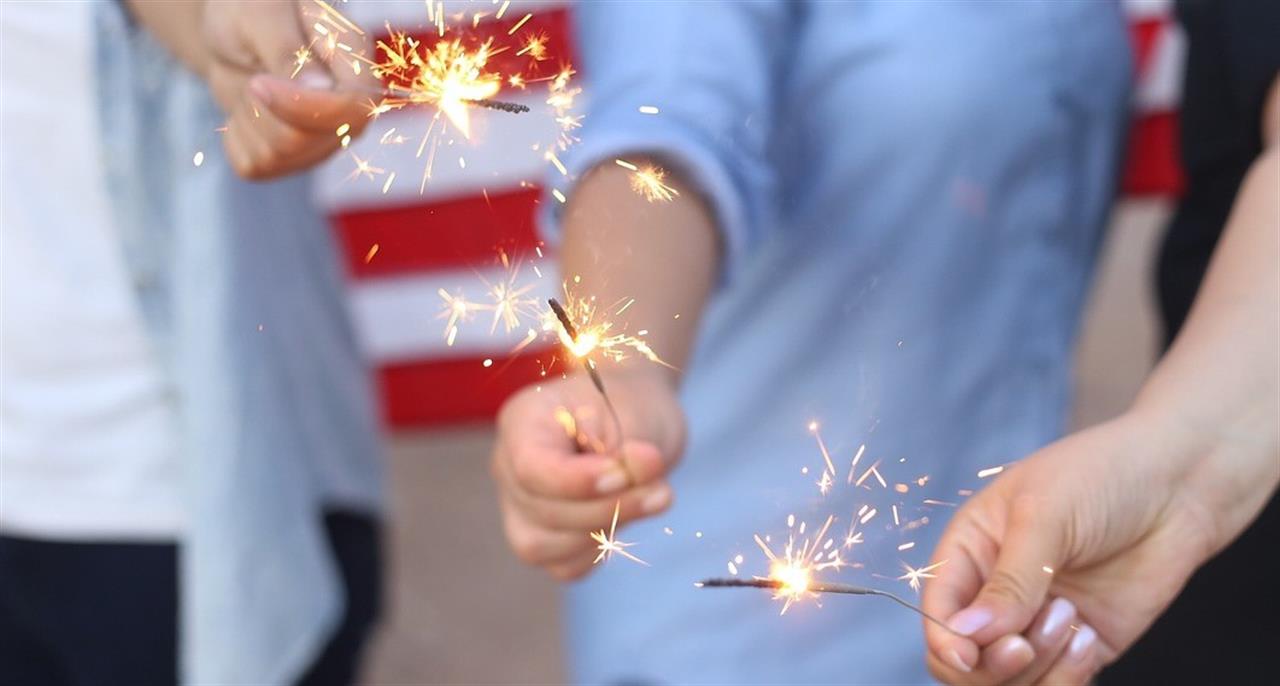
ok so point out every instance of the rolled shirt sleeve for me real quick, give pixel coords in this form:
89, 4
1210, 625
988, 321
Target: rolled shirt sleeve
710, 69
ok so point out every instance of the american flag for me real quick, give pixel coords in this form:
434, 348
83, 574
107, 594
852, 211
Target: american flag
404, 244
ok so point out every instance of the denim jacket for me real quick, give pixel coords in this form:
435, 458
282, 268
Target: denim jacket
243, 294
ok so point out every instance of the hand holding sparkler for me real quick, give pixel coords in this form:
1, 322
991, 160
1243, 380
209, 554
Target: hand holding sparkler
558, 482
289, 103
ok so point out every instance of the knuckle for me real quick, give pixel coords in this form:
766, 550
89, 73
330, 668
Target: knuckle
526, 548
1009, 587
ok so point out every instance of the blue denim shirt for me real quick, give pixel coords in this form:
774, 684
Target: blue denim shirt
910, 195
241, 287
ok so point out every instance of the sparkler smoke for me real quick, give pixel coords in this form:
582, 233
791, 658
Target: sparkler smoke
821, 587
596, 381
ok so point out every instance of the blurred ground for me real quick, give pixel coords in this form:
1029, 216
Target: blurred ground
460, 609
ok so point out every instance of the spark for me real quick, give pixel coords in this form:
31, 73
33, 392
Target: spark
448, 75
1047, 569
824, 484
373, 250
609, 544
198, 159
914, 576
990, 471
647, 181
854, 465
520, 23
648, 109
456, 309
364, 168
535, 47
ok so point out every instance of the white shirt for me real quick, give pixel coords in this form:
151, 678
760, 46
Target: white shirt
87, 423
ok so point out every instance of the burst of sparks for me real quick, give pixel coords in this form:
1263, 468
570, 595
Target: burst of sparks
608, 544
914, 576
795, 567
595, 333
447, 75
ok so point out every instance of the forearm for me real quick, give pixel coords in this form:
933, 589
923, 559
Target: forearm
618, 246
1214, 397
176, 24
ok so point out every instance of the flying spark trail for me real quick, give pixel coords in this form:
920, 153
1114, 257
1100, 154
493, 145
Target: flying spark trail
914, 576
609, 544
818, 587
647, 181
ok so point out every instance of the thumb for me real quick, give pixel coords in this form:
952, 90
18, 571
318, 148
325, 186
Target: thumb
1016, 588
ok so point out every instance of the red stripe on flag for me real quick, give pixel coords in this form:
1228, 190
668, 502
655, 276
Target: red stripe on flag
553, 24
443, 234
432, 393
1152, 164
1143, 34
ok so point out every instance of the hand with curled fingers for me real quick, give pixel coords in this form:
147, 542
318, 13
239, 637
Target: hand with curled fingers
1064, 561
554, 492
278, 121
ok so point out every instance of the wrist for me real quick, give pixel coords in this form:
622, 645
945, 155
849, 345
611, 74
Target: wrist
1216, 480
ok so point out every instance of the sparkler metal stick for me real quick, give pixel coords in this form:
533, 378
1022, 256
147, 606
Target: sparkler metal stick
596, 381
410, 97
822, 587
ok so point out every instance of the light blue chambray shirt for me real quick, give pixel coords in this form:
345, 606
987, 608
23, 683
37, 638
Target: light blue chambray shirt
241, 287
910, 195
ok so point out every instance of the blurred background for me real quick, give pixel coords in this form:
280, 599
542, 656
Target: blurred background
402, 246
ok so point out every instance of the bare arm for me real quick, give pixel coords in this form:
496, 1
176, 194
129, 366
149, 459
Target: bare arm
665, 255
177, 25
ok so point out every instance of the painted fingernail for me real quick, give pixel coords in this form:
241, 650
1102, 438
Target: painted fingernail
953, 656
970, 620
611, 482
1060, 612
1082, 641
656, 501
315, 80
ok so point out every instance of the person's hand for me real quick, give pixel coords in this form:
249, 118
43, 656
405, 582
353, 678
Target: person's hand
1065, 560
278, 123
553, 495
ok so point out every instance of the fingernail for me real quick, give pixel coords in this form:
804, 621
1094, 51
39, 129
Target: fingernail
1060, 612
1016, 645
953, 656
611, 482
315, 80
970, 620
260, 90
1082, 641
656, 501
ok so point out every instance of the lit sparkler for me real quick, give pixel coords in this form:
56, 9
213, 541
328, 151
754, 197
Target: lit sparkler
818, 587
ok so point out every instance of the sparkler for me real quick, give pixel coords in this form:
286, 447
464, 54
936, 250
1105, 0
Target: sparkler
817, 587
575, 346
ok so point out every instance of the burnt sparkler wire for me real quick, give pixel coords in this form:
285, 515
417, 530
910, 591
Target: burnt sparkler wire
823, 587
400, 93
596, 381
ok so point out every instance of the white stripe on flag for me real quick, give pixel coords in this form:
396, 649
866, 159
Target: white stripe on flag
398, 318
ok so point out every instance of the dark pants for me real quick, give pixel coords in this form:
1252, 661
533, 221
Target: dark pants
107, 613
